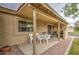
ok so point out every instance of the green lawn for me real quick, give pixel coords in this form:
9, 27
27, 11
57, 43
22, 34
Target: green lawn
76, 32
74, 50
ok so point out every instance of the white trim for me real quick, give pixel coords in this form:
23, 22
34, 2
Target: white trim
56, 20
53, 11
19, 4
47, 16
16, 33
21, 7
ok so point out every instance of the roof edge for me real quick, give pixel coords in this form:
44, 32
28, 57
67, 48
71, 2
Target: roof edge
3, 9
56, 13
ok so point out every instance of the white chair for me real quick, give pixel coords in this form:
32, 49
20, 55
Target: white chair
39, 37
31, 38
47, 37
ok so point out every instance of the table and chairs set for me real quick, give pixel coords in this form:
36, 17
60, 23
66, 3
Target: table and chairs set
40, 37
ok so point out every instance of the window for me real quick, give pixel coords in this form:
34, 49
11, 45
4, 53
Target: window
24, 26
29, 27
21, 26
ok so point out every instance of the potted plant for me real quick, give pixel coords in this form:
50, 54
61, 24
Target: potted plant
6, 48
1, 44
0, 49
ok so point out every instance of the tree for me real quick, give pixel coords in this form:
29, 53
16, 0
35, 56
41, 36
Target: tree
71, 10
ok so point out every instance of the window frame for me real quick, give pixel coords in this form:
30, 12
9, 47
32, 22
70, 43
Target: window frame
21, 28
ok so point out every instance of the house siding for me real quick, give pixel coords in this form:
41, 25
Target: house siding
10, 34
41, 27
9, 29
1, 31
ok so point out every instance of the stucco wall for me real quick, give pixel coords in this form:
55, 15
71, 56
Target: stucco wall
9, 29
41, 27
0, 36
11, 36
1, 31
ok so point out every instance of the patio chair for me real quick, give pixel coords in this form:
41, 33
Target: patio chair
47, 37
31, 38
39, 37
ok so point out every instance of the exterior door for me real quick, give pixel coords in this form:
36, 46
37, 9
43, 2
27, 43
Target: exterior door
49, 29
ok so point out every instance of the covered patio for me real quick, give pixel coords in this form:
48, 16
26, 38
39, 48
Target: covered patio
44, 20
27, 48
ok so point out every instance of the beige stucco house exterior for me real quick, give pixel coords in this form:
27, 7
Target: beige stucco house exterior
38, 17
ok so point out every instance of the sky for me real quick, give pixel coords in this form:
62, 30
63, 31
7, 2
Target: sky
56, 6
13, 6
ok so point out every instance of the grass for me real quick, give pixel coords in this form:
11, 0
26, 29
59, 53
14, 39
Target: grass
76, 32
74, 50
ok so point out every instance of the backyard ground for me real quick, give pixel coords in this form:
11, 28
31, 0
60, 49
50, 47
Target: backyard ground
74, 50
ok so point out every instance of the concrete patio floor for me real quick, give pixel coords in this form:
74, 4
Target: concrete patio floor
26, 48
54, 47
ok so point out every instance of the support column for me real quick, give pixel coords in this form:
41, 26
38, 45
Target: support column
34, 32
58, 30
64, 29
63, 33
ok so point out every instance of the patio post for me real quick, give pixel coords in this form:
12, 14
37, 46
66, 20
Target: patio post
58, 30
34, 32
63, 33
64, 29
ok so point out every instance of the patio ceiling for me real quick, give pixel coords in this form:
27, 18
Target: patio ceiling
27, 11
